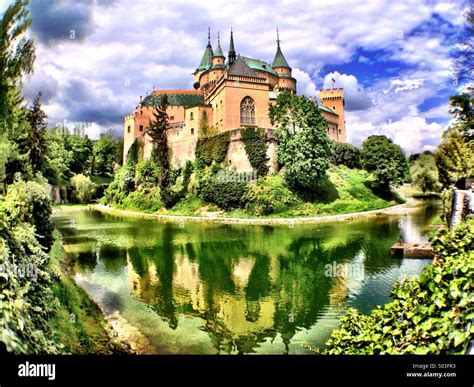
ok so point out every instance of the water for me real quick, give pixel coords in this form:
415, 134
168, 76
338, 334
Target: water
209, 288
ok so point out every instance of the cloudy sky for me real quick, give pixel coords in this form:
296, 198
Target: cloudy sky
394, 58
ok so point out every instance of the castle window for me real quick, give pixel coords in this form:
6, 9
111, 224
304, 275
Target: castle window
333, 107
247, 111
171, 118
128, 129
192, 130
191, 116
141, 128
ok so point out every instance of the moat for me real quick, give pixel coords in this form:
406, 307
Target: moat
216, 288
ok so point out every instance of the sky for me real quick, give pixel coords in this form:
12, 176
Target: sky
393, 58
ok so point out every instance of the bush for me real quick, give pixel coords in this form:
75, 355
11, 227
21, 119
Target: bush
270, 195
30, 202
431, 314
213, 149
226, 194
147, 174
148, 200
346, 154
83, 188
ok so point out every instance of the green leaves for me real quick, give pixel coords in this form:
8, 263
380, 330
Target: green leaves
429, 315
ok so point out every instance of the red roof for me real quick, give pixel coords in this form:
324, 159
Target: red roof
176, 92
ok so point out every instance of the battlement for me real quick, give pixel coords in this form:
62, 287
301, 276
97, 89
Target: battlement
331, 93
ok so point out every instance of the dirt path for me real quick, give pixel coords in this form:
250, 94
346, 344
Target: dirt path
400, 209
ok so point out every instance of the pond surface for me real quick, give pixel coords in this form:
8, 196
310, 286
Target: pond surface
215, 288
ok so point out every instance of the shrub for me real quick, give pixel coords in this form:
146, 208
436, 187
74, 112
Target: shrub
147, 174
226, 194
346, 154
148, 200
431, 314
83, 188
270, 195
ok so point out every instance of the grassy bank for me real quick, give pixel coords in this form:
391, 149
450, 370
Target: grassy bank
345, 191
78, 323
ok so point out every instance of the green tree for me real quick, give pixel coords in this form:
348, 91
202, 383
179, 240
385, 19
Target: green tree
385, 160
346, 154
56, 164
463, 115
34, 141
424, 173
80, 148
83, 188
105, 155
17, 57
454, 158
303, 145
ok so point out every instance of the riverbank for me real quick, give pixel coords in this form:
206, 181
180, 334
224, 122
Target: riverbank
399, 209
78, 324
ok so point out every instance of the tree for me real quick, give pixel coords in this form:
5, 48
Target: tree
80, 149
346, 154
465, 57
17, 56
83, 188
385, 160
56, 164
424, 173
34, 142
303, 145
463, 115
105, 155
454, 158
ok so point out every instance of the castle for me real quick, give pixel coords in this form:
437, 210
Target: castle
229, 94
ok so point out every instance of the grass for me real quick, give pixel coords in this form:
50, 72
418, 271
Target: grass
78, 324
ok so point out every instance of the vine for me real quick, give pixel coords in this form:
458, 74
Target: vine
213, 149
256, 149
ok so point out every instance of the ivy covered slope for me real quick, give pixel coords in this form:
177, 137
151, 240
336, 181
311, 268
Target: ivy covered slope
431, 314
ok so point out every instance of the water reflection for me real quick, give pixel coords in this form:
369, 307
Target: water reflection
233, 288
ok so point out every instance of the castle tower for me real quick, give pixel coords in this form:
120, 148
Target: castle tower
218, 59
206, 60
231, 49
334, 100
286, 82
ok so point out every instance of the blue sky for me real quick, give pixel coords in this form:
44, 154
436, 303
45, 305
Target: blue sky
394, 59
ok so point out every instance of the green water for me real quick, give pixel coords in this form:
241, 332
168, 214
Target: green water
209, 288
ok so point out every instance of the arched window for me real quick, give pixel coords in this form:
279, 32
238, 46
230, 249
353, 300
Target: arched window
191, 116
247, 111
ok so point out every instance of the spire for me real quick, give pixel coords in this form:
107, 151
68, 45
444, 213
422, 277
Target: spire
231, 48
206, 61
279, 60
218, 51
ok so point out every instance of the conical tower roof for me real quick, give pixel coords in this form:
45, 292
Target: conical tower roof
279, 60
219, 51
206, 61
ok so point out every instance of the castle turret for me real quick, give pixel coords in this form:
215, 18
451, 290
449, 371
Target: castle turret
206, 60
334, 100
286, 82
231, 49
218, 59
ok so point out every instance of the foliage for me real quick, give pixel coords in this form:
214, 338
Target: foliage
83, 188
463, 115
80, 148
213, 149
346, 154
454, 158
431, 314
227, 194
17, 57
385, 160
30, 202
147, 174
104, 155
270, 195
147, 200
464, 64
424, 173
256, 148
304, 147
